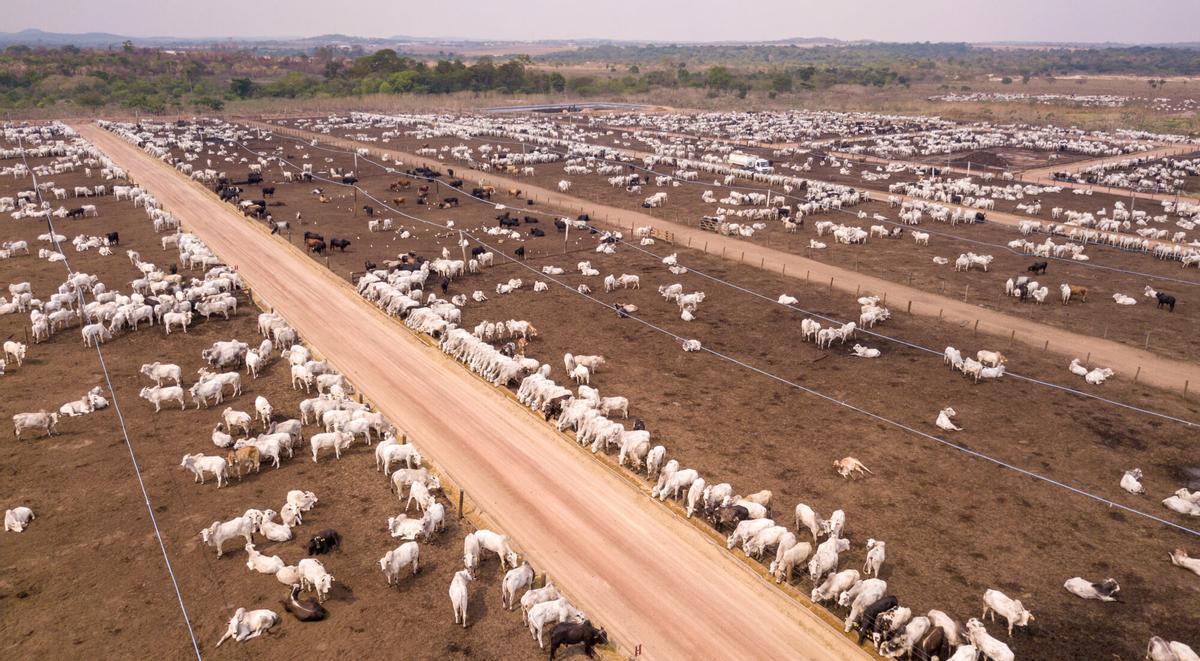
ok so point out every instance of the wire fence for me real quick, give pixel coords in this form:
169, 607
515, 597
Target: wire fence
116, 404
558, 201
828, 398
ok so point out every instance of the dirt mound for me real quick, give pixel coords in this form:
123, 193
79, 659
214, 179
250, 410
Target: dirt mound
978, 158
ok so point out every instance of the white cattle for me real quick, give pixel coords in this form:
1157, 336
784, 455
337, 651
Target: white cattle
1013, 612
1106, 590
515, 579
17, 518
458, 595
245, 625
405, 555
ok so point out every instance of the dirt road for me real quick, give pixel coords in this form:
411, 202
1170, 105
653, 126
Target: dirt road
654, 580
1153, 369
1046, 175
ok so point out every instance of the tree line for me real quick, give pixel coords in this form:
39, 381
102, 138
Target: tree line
157, 81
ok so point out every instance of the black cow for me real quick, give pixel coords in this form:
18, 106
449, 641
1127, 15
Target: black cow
368, 265
866, 624
536, 231
569, 633
324, 542
448, 202
530, 220
445, 284
348, 180
309, 610
1038, 267
316, 245
729, 515
268, 191
456, 183
369, 210
980, 217
113, 238
520, 252
560, 224
313, 235
1167, 300
477, 251
509, 222
254, 178
75, 213
340, 244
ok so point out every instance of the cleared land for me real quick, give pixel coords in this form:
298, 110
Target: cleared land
743, 439
571, 528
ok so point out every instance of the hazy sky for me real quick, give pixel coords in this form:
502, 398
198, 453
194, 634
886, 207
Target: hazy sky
662, 20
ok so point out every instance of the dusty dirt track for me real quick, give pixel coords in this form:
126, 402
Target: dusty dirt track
1153, 369
655, 581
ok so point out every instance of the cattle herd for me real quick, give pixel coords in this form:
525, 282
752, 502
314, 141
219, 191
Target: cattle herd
484, 235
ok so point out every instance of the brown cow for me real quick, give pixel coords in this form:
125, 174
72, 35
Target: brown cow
1072, 291
514, 192
247, 456
397, 201
400, 185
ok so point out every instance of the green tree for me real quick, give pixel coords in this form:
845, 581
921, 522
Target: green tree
718, 77
241, 87
209, 102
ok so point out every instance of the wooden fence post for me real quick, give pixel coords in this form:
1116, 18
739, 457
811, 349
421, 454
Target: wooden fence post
460, 503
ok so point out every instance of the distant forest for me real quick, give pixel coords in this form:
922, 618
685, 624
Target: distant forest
156, 81
915, 57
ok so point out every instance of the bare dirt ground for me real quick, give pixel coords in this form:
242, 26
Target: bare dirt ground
570, 516
924, 499
87, 577
903, 263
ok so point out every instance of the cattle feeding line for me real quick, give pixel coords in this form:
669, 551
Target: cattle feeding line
117, 409
746, 290
829, 398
